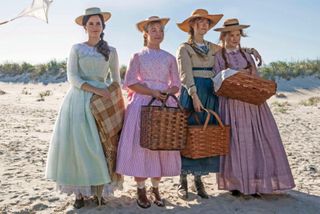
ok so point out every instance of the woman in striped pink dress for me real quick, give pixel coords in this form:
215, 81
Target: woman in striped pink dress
151, 73
257, 162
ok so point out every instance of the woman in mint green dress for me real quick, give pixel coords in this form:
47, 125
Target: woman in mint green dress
76, 160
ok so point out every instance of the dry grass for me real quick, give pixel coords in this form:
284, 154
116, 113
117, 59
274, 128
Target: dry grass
281, 107
312, 101
25, 91
44, 94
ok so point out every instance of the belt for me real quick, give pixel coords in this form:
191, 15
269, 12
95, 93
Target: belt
204, 72
202, 68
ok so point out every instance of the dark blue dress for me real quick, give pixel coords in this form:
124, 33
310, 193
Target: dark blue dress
209, 100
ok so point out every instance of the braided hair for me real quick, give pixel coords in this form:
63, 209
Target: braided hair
191, 35
102, 46
224, 55
191, 31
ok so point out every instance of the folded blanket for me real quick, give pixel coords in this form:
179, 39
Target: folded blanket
109, 116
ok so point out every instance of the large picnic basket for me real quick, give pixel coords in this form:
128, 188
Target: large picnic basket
245, 87
207, 140
163, 127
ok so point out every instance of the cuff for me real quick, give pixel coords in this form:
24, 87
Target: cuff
192, 90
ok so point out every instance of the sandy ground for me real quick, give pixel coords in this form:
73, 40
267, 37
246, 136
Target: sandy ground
26, 123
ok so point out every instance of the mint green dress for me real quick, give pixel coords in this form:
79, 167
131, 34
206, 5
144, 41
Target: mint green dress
75, 158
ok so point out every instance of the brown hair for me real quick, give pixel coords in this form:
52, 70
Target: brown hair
102, 46
191, 31
224, 56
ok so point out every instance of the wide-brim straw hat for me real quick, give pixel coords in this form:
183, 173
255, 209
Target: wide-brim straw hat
93, 11
231, 25
200, 13
141, 25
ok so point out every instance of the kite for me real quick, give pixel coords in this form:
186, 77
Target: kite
38, 9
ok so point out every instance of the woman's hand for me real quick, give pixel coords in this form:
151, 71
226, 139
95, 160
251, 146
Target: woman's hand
197, 105
103, 93
171, 90
158, 95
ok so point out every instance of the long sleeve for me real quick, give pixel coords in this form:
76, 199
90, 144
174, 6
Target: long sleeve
185, 70
73, 69
174, 74
114, 66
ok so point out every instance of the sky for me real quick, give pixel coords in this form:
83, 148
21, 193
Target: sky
285, 30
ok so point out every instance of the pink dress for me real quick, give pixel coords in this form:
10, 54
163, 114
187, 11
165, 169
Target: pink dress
257, 162
156, 69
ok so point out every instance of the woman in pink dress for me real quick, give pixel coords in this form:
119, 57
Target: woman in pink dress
257, 162
152, 72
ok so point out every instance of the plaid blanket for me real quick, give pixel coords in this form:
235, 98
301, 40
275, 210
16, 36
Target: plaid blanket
109, 116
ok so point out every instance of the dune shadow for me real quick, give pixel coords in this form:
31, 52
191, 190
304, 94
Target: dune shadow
308, 83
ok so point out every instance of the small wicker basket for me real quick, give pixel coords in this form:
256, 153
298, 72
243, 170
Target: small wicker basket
247, 88
163, 127
207, 140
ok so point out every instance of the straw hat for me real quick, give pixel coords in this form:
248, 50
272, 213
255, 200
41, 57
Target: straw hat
200, 13
93, 11
231, 25
141, 25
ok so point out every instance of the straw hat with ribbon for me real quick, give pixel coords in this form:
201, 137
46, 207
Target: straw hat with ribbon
231, 25
93, 11
142, 24
200, 13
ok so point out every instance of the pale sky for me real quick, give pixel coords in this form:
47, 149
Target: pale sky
280, 29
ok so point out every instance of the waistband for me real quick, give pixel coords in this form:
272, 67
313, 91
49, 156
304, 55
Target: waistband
202, 68
204, 72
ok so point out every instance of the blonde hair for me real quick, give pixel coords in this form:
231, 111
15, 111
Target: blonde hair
224, 56
145, 31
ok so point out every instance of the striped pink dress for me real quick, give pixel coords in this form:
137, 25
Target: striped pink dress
156, 69
257, 162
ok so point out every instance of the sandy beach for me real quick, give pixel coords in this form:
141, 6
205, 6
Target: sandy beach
28, 112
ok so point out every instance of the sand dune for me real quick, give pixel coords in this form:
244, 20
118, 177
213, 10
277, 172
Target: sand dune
27, 116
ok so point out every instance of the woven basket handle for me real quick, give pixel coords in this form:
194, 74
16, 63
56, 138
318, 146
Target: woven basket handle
164, 102
208, 118
151, 101
176, 99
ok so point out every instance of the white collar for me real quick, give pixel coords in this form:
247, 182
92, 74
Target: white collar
200, 44
232, 50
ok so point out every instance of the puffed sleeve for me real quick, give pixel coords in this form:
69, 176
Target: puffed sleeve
174, 74
114, 66
185, 70
133, 72
253, 64
73, 69
218, 63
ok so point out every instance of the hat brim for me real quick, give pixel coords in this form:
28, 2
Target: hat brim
214, 19
232, 28
142, 24
106, 16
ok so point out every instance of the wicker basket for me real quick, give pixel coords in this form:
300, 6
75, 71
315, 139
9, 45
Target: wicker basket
207, 140
247, 88
162, 127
